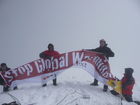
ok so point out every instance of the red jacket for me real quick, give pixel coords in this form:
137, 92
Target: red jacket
51, 53
48, 54
127, 85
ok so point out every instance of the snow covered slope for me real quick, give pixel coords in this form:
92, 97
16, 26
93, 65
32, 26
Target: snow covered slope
73, 89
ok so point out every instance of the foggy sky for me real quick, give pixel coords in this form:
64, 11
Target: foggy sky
27, 26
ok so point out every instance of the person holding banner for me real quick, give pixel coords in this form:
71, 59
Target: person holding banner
3, 68
107, 52
47, 55
2, 82
127, 82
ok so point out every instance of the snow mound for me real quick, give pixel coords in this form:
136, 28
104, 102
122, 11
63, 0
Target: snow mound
73, 89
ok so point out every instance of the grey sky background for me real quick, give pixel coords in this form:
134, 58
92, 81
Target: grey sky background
27, 26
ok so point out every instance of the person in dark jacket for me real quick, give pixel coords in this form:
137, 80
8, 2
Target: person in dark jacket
128, 82
47, 55
2, 82
107, 52
3, 68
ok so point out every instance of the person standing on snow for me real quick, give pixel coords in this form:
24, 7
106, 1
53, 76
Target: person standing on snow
2, 82
107, 52
128, 82
47, 55
4, 68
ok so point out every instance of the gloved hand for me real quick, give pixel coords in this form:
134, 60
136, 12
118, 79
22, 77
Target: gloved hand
113, 84
48, 57
103, 54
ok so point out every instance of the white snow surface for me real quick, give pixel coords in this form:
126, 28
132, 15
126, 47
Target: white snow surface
73, 89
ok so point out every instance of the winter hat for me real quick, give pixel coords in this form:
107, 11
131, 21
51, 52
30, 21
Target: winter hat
3, 64
50, 45
129, 71
102, 40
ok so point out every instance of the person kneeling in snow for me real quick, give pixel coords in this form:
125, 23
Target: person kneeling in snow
128, 82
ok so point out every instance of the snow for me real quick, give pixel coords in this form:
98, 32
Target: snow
27, 26
73, 89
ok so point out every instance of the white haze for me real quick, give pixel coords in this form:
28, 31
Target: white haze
27, 26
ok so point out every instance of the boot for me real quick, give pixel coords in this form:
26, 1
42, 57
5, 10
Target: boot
44, 85
95, 83
15, 88
5, 88
105, 88
128, 98
54, 82
114, 92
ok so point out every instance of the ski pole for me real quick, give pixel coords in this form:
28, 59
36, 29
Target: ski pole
14, 98
121, 99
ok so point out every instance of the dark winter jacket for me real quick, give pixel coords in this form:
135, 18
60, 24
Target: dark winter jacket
105, 50
127, 84
2, 82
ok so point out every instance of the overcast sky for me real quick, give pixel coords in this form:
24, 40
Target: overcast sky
27, 26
